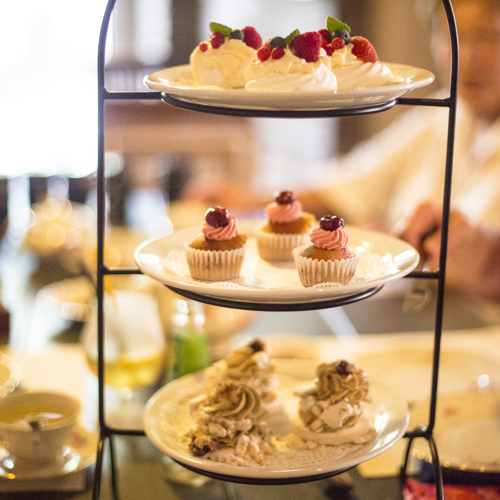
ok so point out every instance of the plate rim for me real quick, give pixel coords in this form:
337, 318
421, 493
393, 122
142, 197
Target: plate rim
254, 295
212, 467
422, 406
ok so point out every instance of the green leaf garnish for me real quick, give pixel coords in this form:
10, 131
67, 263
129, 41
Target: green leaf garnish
220, 28
289, 39
332, 25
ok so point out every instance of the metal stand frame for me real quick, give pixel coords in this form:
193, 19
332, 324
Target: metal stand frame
423, 431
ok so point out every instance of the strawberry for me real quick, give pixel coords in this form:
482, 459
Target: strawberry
251, 37
363, 49
307, 46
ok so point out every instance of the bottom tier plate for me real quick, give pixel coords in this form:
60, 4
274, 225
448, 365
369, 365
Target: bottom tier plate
167, 419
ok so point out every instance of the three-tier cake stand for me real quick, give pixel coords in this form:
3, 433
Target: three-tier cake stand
425, 431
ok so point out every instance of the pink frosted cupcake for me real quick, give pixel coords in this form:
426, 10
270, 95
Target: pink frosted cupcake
287, 227
217, 253
328, 259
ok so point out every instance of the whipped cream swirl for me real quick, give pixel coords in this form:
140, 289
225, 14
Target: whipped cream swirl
329, 240
222, 232
287, 212
352, 386
238, 401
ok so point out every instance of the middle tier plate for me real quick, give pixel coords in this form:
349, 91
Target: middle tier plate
385, 258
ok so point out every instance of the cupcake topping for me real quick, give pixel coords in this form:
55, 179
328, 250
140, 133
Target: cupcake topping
219, 224
284, 208
331, 234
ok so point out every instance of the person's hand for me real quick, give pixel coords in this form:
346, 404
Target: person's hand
473, 258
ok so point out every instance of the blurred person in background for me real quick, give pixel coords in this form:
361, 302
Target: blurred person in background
382, 181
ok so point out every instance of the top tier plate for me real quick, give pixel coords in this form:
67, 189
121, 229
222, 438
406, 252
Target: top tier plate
177, 82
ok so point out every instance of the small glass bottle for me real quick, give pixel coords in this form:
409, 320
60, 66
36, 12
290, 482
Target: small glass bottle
189, 339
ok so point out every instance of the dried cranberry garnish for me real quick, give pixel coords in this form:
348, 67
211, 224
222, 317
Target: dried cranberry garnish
284, 197
257, 345
217, 216
331, 222
343, 367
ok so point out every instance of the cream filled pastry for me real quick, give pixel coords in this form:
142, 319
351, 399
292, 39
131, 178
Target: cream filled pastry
228, 428
221, 61
295, 63
331, 408
353, 59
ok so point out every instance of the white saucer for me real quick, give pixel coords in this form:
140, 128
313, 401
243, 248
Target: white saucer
79, 454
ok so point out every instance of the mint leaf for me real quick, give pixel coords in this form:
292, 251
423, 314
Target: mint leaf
220, 28
289, 39
332, 25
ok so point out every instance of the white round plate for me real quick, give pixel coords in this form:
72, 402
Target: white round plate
167, 419
79, 454
467, 433
178, 82
385, 258
401, 366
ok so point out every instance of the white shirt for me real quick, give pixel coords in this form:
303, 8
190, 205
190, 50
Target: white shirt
385, 178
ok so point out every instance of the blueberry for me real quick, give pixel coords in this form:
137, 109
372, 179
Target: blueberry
277, 41
331, 222
237, 35
344, 35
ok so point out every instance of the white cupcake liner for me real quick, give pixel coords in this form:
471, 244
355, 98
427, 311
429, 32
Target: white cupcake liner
215, 265
314, 271
274, 246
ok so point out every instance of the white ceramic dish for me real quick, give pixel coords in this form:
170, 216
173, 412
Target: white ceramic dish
467, 431
167, 419
385, 258
79, 454
401, 366
178, 82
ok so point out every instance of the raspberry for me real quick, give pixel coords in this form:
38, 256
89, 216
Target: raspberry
363, 49
338, 43
217, 39
251, 37
329, 50
324, 43
277, 53
203, 46
326, 35
264, 52
307, 46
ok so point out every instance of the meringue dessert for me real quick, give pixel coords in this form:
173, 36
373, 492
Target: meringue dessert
221, 61
294, 63
250, 365
331, 408
353, 59
228, 428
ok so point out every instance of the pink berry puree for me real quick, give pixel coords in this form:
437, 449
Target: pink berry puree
222, 232
284, 212
329, 240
